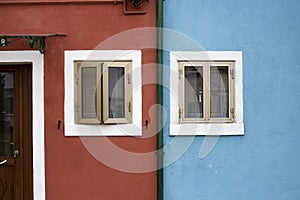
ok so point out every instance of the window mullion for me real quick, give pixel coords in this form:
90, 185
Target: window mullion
104, 91
99, 95
207, 91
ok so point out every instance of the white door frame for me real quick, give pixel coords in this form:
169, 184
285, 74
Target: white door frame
37, 61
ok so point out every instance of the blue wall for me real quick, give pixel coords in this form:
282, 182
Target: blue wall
265, 162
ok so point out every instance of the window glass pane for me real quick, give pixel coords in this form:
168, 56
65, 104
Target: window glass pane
89, 90
219, 93
116, 92
193, 92
6, 114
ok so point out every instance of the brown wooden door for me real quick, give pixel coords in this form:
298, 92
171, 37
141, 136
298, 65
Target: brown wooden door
15, 132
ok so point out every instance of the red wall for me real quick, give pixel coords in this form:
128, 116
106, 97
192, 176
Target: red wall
71, 172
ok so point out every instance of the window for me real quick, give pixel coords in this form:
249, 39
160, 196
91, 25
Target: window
102, 92
206, 93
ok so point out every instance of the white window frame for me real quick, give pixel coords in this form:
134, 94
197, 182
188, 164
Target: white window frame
236, 127
38, 118
129, 129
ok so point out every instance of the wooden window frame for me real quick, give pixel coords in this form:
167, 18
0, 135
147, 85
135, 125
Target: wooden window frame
102, 102
206, 66
78, 65
128, 93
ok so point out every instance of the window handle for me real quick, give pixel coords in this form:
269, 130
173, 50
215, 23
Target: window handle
200, 96
3, 162
16, 153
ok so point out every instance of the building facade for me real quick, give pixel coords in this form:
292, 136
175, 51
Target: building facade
121, 99
61, 164
260, 162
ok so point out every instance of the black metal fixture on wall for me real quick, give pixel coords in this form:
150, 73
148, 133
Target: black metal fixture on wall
128, 4
136, 3
31, 40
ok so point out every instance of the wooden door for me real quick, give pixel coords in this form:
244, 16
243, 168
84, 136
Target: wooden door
15, 132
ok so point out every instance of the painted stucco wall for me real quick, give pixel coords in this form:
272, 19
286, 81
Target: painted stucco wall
264, 163
71, 171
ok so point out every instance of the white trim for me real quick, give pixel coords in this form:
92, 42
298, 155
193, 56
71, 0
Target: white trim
133, 129
235, 128
37, 61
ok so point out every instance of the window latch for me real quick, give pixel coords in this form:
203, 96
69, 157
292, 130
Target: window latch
200, 96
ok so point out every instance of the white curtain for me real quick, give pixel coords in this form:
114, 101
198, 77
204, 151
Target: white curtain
88, 89
219, 101
193, 88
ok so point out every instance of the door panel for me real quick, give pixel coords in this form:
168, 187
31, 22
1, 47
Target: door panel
6, 183
15, 133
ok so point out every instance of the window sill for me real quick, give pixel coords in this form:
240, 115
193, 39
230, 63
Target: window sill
103, 130
212, 129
